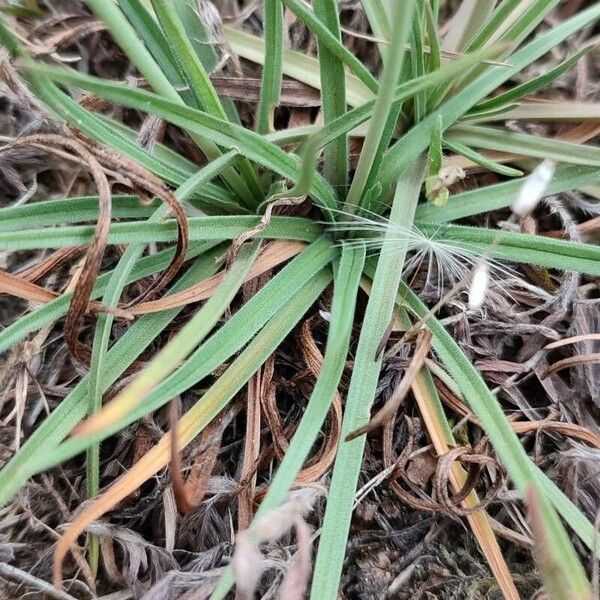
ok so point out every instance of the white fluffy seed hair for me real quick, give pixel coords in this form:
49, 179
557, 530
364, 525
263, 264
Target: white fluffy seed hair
534, 188
448, 260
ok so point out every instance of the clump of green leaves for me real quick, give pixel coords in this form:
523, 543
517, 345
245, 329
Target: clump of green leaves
423, 103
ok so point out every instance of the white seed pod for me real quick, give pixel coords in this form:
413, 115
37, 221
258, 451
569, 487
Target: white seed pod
534, 188
479, 285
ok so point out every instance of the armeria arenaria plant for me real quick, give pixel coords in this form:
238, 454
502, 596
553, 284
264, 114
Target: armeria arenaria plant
435, 113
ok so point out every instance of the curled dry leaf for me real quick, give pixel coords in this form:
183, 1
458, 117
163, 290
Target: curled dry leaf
323, 458
268, 401
571, 361
272, 203
326, 455
95, 252
443, 476
141, 179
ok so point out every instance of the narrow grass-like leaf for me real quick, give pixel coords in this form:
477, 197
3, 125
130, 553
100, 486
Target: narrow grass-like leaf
346, 281
190, 67
329, 38
480, 159
417, 58
501, 195
434, 61
97, 365
99, 347
333, 94
361, 393
413, 143
217, 349
198, 80
180, 346
226, 134
435, 155
199, 35
435, 189
402, 20
192, 50
205, 409
272, 72
70, 210
520, 247
524, 144
538, 83
558, 581
124, 34
154, 39
204, 45
137, 232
